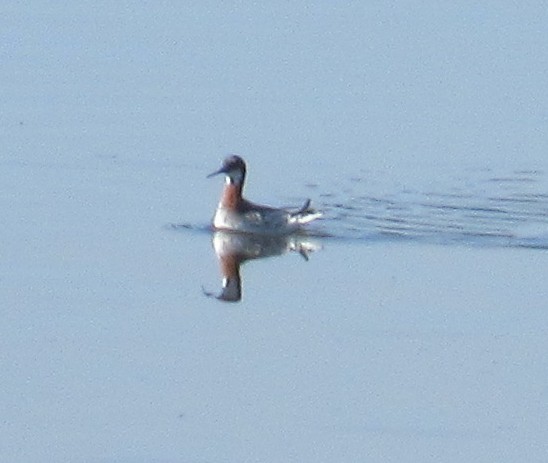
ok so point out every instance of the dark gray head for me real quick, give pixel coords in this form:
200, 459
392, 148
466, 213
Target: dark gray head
234, 169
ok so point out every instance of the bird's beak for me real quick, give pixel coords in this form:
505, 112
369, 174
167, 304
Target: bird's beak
217, 172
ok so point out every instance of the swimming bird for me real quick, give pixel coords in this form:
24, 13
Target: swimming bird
235, 213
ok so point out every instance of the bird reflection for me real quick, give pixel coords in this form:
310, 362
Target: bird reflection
233, 249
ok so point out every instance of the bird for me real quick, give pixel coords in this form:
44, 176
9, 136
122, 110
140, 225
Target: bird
237, 214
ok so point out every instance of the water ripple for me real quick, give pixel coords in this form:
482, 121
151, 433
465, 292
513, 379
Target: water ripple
508, 209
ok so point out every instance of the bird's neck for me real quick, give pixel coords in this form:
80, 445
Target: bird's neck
232, 195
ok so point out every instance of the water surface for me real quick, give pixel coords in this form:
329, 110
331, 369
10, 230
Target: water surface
416, 329
475, 208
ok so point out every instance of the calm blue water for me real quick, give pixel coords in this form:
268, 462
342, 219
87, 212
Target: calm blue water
409, 325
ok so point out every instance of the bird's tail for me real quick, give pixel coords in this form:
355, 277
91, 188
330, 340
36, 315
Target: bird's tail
305, 214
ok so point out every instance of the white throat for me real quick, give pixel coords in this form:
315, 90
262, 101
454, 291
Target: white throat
235, 177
